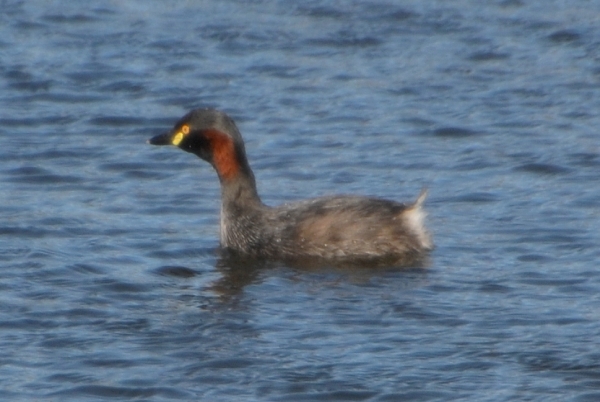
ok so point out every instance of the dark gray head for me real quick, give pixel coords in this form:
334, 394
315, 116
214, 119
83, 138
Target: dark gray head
212, 136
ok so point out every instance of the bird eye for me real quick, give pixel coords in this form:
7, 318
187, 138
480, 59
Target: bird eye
185, 129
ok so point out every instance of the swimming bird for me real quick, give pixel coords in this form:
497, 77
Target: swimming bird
342, 228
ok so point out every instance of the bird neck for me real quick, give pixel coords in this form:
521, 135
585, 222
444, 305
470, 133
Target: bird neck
240, 190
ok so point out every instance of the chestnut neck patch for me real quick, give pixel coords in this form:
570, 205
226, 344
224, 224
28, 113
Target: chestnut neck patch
225, 157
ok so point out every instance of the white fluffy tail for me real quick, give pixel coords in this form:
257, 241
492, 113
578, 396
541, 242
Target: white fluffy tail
415, 217
421, 198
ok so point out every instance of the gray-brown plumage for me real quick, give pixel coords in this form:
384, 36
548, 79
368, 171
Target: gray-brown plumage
336, 228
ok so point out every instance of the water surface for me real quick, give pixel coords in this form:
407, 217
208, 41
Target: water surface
111, 284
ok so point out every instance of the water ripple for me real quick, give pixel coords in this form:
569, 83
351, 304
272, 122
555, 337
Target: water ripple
113, 286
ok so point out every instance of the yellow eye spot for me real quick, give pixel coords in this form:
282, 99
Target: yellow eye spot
177, 139
185, 129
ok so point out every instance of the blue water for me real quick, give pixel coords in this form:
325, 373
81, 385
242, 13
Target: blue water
111, 286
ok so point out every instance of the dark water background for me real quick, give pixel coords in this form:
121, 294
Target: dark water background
110, 282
